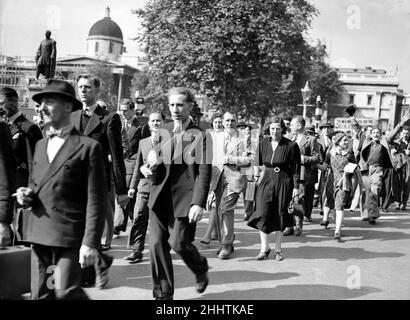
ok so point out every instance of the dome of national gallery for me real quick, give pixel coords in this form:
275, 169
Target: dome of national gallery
105, 38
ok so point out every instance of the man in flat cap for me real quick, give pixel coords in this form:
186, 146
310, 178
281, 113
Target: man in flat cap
66, 194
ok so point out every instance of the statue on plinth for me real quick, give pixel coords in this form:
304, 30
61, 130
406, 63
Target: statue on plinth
46, 57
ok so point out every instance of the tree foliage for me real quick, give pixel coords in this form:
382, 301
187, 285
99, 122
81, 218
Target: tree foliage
244, 55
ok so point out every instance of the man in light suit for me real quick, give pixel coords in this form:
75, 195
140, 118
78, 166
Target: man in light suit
230, 155
7, 184
105, 127
140, 185
66, 195
132, 131
178, 194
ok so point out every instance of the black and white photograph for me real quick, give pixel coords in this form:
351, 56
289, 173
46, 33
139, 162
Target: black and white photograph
219, 152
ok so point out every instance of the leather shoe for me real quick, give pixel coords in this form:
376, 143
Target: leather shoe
372, 221
298, 232
288, 232
201, 286
105, 247
225, 252
134, 257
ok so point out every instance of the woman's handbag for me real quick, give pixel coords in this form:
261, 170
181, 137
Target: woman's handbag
250, 191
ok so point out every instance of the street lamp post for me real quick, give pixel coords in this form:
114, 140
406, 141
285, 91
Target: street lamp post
306, 92
318, 111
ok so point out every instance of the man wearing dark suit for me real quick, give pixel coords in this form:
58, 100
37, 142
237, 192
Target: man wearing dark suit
177, 196
403, 147
132, 133
25, 135
310, 157
104, 127
140, 185
7, 184
66, 195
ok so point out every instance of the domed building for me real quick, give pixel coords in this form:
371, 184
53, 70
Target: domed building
105, 44
105, 39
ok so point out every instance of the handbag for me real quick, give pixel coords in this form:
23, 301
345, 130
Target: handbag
250, 191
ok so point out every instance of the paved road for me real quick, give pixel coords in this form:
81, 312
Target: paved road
372, 263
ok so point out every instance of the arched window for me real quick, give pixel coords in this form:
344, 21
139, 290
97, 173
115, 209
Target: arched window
96, 47
111, 46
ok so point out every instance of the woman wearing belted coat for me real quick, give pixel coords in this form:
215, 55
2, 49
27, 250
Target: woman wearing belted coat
280, 183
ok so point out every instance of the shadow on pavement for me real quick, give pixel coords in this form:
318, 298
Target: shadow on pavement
139, 276
292, 292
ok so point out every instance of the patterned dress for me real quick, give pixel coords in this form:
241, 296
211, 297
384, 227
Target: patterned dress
338, 162
274, 193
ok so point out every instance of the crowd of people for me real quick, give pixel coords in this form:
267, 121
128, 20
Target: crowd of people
71, 183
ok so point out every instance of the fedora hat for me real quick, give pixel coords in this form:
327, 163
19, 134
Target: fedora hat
310, 129
61, 88
351, 110
326, 125
244, 125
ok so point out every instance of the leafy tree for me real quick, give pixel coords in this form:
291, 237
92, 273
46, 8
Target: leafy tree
246, 56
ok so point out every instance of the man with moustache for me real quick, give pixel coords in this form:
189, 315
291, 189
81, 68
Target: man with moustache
178, 193
105, 127
66, 196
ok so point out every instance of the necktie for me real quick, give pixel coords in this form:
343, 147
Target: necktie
87, 111
226, 144
53, 133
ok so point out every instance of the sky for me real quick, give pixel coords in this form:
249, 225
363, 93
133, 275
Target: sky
356, 32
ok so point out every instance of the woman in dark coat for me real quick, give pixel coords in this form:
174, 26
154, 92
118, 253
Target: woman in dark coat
280, 183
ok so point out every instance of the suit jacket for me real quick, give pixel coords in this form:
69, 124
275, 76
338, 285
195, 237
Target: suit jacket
310, 150
365, 154
324, 149
22, 129
133, 137
185, 169
138, 180
69, 203
239, 150
105, 127
7, 174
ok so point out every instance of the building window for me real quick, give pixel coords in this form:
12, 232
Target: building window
369, 100
351, 98
96, 47
111, 46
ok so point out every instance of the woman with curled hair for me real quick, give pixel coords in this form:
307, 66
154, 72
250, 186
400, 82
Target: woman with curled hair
280, 183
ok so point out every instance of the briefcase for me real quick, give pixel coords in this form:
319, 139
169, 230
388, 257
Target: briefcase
250, 191
14, 271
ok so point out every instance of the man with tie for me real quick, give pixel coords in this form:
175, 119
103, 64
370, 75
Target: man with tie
105, 127
65, 199
25, 135
132, 133
310, 157
7, 184
179, 178
140, 185
231, 157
